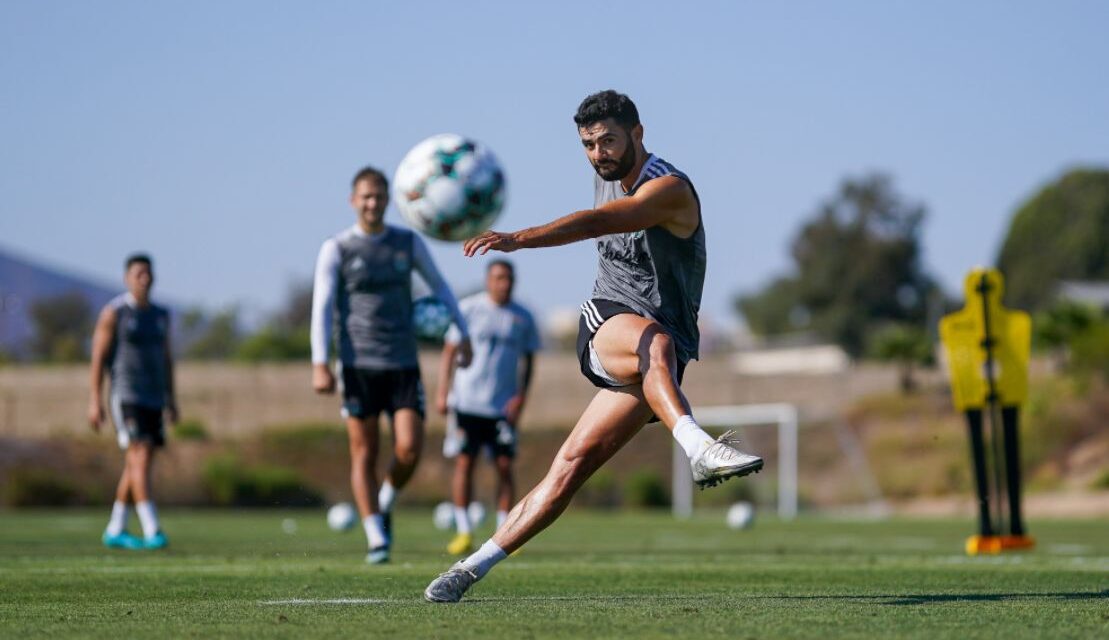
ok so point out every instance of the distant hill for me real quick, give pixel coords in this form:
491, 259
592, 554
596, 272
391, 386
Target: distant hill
22, 282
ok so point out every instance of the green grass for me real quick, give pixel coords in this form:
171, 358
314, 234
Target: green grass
641, 575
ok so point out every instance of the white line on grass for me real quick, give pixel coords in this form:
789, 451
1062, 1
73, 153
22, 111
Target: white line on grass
326, 601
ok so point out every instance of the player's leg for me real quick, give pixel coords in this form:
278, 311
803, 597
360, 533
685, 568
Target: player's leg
362, 434
402, 394
116, 534
506, 487
634, 349
140, 461
408, 441
610, 420
461, 492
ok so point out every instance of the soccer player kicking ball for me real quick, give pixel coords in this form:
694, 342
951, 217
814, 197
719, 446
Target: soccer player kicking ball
131, 340
487, 397
365, 274
635, 335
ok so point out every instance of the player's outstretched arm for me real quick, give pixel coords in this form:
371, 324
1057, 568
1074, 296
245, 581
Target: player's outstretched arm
101, 345
666, 201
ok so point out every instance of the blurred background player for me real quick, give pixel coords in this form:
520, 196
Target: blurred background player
365, 274
635, 335
131, 340
486, 398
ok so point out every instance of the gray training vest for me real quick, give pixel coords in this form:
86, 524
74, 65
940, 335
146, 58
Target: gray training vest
653, 271
374, 300
138, 356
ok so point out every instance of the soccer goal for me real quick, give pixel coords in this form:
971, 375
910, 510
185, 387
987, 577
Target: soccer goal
782, 416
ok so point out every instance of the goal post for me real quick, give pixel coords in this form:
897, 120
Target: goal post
780, 415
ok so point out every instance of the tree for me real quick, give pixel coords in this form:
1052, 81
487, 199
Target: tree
905, 345
63, 326
1061, 233
217, 337
856, 267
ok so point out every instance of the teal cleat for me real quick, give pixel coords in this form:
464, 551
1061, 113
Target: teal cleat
121, 540
378, 555
156, 541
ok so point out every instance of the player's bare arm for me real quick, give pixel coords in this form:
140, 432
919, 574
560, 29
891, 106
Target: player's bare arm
171, 395
666, 202
516, 404
101, 345
446, 376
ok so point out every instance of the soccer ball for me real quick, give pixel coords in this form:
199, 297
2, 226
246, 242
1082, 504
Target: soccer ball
476, 511
341, 517
443, 516
431, 318
449, 188
741, 515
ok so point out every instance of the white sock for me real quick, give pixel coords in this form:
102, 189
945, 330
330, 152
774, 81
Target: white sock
462, 520
118, 522
482, 560
501, 517
386, 496
691, 437
148, 516
375, 530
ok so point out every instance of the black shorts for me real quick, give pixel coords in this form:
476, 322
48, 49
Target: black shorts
137, 423
478, 432
368, 392
593, 314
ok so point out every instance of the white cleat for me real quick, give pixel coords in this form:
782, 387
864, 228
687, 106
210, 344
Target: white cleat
722, 460
450, 585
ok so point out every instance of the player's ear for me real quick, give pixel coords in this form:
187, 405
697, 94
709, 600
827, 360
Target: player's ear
637, 133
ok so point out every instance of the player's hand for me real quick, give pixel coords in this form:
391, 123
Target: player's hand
465, 353
513, 408
441, 404
171, 413
482, 243
96, 415
323, 381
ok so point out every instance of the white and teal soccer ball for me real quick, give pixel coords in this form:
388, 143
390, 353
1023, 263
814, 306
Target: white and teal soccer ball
741, 515
449, 187
341, 517
431, 318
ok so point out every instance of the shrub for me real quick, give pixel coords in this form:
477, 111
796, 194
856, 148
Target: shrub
191, 429
645, 489
599, 491
39, 488
229, 483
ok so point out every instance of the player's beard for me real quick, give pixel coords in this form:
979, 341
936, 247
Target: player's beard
622, 167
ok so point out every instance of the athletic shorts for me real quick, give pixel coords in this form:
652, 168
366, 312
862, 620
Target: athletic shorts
478, 432
594, 313
136, 423
368, 392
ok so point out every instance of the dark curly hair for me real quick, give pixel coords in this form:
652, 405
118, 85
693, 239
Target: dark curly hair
607, 104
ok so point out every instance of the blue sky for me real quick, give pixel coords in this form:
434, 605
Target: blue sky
221, 136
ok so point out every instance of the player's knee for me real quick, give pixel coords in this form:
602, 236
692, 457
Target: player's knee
407, 456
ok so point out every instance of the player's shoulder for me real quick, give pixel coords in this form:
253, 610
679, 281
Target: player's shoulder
471, 301
401, 232
116, 304
521, 311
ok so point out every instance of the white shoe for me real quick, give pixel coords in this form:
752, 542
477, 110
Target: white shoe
450, 585
722, 460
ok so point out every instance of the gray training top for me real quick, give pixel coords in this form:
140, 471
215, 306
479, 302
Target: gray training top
367, 279
138, 359
653, 271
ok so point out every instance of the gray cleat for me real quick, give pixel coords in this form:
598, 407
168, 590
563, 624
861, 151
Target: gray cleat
722, 460
450, 585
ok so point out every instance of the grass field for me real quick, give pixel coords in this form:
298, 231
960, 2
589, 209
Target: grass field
642, 575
